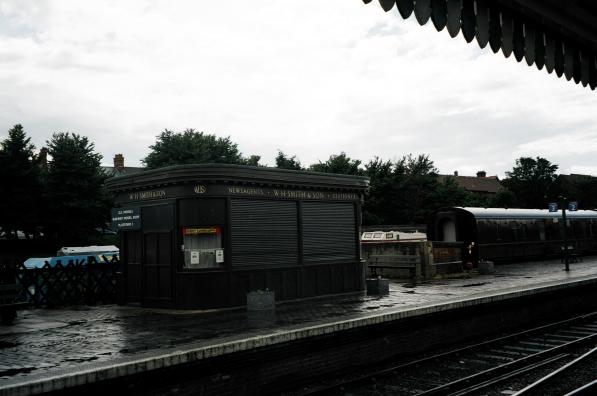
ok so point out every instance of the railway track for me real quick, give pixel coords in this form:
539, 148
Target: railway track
562, 379
482, 366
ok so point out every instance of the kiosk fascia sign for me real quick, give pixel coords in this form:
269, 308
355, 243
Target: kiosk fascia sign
126, 219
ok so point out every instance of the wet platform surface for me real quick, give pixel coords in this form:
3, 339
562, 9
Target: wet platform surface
57, 343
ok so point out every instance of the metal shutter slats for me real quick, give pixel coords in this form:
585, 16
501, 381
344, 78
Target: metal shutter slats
264, 234
329, 232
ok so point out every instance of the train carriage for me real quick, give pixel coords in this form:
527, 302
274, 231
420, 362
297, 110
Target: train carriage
499, 234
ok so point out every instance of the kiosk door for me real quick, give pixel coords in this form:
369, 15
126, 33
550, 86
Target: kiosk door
133, 270
157, 226
158, 267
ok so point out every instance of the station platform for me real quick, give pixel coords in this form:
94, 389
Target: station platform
56, 349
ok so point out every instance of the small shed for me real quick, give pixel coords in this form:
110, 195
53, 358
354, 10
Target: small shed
202, 236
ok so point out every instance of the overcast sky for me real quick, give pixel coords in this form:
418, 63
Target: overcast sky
308, 77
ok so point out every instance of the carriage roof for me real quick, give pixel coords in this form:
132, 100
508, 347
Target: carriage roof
502, 213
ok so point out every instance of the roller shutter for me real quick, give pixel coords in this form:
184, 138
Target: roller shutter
264, 234
329, 232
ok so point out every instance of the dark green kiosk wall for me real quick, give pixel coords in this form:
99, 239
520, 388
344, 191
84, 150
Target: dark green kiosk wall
296, 248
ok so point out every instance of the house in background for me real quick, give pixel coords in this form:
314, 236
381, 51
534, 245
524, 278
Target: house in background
481, 185
119, 169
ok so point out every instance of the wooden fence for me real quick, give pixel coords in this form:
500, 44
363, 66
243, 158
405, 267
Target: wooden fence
447, 257
74, 282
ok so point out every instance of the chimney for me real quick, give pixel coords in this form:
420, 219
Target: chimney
481, 174
119, 161
455, 173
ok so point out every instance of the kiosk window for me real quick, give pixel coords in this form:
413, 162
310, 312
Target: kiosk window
202, 247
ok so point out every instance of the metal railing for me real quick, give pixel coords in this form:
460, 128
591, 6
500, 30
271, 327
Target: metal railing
81, 282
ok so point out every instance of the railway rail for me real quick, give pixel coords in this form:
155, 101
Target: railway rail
482, 366
560, 379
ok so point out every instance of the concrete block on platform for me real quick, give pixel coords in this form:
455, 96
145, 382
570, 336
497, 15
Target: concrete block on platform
261, 300
378, 286
486, 267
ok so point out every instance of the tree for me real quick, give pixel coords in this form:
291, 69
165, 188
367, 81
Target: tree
449, 193
253, 160
417, 182
531, 181
192, 147
379, 206
20, 180
76, 199
340, 163
504, 198
406, 191
580, 188
285, 162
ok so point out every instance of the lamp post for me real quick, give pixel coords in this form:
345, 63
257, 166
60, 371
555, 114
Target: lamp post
553, 207
566, 259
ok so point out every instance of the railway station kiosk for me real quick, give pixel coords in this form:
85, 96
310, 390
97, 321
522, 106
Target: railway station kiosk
202, 236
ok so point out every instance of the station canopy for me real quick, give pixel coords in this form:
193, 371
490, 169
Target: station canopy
560, 36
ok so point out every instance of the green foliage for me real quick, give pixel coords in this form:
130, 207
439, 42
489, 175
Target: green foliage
417, 185
407, 191
253, 160
285, 162
449, 193
586, 194
503, 199
379, 206
20, 181
340, 163
532, 181
75, 196
580, 188
192, 147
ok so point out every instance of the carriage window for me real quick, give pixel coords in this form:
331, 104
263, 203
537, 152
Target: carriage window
202, 247
515, 229
541, 230
523, 232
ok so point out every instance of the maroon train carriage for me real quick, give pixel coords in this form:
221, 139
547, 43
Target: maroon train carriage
499, 234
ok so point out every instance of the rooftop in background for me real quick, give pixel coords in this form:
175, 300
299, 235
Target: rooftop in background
119, 169
480, 184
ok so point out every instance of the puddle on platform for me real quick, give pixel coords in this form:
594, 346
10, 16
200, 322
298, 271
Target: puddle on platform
16, 371
81, 359
134, 350
6, 344
475, 284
